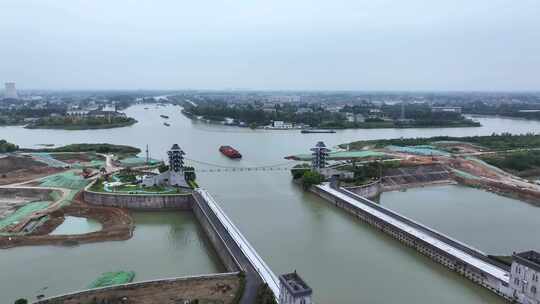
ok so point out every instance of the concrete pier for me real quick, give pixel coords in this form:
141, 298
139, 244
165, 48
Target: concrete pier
461, 258
238, 252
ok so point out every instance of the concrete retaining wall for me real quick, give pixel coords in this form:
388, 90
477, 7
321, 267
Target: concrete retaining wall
215, 233
164, 288
370, 190
40, 194
138, 201
476, 275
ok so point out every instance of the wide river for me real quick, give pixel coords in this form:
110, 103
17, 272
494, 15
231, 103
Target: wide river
344, 260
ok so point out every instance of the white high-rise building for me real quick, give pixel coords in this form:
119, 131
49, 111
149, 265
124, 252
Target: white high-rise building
11, 91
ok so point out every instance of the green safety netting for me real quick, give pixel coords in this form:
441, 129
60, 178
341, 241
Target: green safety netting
343, 155
23, 212
49, 160
93, 164
464, 174
113, 278
138, 161
68, 180
425, 150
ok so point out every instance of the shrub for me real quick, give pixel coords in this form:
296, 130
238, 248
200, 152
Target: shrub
299, 170
311, 178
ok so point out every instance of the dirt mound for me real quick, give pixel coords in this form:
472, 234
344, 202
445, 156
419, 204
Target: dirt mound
13, 163
73, 157
116, 223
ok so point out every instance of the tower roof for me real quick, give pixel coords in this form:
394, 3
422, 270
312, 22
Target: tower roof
320, 145
295, 285
175, 147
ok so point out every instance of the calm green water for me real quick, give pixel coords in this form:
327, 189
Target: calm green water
164, 244
344, 260
77, 225
492, 223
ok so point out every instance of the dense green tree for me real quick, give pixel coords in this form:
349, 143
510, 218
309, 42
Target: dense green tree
7, 146
311, 178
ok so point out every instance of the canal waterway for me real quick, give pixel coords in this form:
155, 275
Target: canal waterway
344, 260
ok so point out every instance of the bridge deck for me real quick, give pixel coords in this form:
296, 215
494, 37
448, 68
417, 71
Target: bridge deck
493, 270
255, 260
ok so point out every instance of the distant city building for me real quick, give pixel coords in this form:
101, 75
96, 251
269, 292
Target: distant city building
77, 114
446, 110
293, 290
269, 108
303, 110
524, 277
11, 91
281, 125
359, 118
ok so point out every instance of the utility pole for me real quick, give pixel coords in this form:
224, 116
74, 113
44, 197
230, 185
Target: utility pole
147, 156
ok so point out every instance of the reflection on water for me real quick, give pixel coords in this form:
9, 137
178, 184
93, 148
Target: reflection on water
164, 244
487, 221
77, 225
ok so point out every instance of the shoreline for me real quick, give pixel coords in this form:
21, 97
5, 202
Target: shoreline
82, 127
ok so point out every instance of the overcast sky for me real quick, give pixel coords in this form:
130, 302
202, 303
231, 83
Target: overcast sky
273, 44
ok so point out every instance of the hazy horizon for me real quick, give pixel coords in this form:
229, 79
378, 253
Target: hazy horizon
418, 46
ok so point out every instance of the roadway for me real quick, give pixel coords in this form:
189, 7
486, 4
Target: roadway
493, 270
255, 268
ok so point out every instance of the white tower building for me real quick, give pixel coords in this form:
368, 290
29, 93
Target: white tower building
176, 166
11, 91
525, 277
293, 290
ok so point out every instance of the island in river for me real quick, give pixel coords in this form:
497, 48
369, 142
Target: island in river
86, 123
304, 115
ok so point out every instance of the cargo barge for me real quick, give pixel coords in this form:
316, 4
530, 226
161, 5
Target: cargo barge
307, 131
230, 152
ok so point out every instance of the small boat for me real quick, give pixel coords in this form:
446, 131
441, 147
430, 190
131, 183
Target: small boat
307, 131
164, 116
230, 152
166, 124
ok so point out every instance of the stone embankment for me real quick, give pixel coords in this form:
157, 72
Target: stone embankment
403, 178
143, 202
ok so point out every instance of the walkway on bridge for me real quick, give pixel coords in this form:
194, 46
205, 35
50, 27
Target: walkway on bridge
254, 266
470, 259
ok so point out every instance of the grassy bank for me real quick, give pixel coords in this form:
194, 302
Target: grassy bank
523, 163
83, 125
492, 142
98, 148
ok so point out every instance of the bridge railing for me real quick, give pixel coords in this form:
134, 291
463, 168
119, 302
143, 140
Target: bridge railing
440, 236
256, 261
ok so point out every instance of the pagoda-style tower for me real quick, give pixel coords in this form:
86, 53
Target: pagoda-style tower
176, 165
320, 154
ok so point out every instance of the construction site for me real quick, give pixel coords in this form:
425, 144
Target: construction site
41, 189
373, 169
